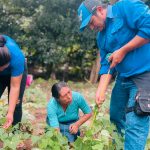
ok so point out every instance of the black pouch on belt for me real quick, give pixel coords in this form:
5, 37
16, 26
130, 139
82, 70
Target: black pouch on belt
142, 103
142, 98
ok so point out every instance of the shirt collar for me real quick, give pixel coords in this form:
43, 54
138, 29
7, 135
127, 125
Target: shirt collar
109, 12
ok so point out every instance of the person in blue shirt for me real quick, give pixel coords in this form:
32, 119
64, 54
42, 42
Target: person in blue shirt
63, 111
13, 75
124, 32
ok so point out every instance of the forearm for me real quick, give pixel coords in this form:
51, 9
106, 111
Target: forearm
104, 82
83, 119
136, 42
13, 98
14, 93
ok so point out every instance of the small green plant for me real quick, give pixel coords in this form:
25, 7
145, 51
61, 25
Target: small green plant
50, 140
13, 136
100, 135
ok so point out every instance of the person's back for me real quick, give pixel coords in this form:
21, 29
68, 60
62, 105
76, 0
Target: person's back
17, 61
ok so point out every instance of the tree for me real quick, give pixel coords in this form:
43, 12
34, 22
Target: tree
48, 33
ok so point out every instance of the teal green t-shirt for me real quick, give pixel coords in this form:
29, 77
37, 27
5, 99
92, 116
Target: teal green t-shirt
56, 114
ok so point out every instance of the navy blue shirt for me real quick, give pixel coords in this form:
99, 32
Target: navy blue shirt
125, 20
16, 66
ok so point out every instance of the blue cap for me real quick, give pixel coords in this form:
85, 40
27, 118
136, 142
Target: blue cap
85, 12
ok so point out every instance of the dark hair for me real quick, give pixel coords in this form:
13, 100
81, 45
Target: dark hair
56, 89
4, 53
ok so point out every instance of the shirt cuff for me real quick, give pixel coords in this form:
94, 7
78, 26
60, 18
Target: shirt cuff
143, 35
105, 70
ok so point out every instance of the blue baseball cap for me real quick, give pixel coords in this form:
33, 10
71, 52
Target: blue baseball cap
85, 12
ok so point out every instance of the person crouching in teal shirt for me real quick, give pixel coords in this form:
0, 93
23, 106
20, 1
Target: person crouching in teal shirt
63, 111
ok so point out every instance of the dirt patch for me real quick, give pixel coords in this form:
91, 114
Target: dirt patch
1, 144
40, 115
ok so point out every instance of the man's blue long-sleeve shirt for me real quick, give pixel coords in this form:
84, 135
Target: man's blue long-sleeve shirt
125, 20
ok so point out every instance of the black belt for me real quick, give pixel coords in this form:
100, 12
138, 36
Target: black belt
130, 109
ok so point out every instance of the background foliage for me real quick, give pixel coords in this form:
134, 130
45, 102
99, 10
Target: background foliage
48, 33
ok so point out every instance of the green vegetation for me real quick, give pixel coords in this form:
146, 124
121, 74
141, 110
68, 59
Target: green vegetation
96, 134
48, 32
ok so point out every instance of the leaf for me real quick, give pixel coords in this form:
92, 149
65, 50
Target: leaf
99, 146
35, 139
105, 133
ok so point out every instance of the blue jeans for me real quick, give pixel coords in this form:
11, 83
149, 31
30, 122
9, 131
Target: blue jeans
136, 127
64, 129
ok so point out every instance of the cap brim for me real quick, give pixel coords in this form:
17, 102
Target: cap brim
85, 23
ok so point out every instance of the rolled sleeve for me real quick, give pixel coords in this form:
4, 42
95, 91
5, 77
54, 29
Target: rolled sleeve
104, 64
105, 70
143, 35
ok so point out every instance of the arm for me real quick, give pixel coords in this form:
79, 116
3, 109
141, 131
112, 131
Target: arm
102, 88
13, 98
87, 114
118, 55
83, 119
75, 127
106, 74
138, 19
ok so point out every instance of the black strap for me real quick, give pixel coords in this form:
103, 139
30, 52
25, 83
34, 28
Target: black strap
130, 109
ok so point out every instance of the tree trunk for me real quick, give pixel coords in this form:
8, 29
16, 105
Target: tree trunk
53, 75
95, 70
65, 71
50, 71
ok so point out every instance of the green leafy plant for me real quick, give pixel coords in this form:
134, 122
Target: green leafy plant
13, 136
100, 135
51, 139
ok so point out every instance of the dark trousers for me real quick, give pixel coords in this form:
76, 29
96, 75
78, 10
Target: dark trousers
5, 82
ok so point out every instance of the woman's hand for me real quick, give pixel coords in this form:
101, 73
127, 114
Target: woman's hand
9, 121
73, 128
